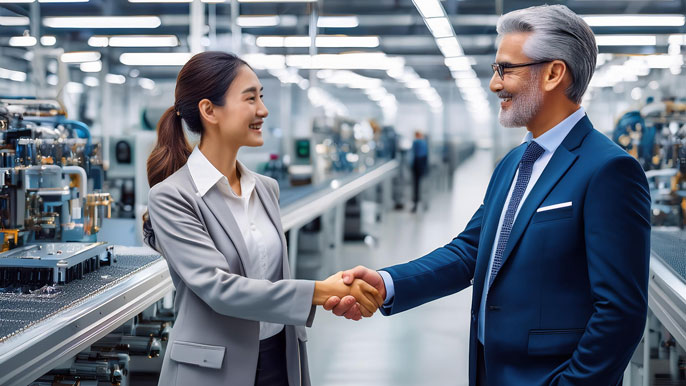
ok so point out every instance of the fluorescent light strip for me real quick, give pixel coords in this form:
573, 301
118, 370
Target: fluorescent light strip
48, 40
16, 76
134, 41
429, 8
321, 41
80, 56
102, 22
360, 61
261, 61
63, 1
440, 27
258, 21
146, 83
23, 41
277, 1
337, 22
12, 21
155, 58
634, 20
626, 40
91, 81
91, 66
98, 41
115, 79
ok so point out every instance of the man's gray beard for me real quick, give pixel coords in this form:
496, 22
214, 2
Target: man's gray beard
525, 104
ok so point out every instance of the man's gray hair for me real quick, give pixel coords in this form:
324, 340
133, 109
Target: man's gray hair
558, 34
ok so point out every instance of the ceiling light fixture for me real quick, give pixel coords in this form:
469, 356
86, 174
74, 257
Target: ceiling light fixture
155, 58
98, 41
429, 8
23, 41
634, 20
48, 40
337, 22
102, 22
277, 1
80, 56
348, 61
258, 21
143, 41
115, 79
328, 41
440, 27
91, 66
626, 40
16, 76
13, 21
91, 81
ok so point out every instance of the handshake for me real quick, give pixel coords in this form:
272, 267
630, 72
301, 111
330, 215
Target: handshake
353, 293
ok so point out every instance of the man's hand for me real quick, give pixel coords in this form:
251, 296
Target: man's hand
347, 306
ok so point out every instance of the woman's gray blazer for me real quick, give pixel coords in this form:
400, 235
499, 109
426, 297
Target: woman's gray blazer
215, 338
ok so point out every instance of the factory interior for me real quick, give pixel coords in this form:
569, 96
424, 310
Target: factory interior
351, 87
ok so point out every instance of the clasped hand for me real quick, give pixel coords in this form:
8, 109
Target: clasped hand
361, 292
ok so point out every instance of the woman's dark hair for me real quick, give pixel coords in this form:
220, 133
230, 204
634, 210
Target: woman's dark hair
206, 75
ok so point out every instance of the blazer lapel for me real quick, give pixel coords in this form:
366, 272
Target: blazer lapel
214, 200
493, 209
272, 209
562, 160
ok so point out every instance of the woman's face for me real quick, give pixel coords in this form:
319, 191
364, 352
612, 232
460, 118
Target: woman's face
240, 119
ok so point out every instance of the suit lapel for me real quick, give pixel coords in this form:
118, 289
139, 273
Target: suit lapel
214, 200
562, 160
273, 211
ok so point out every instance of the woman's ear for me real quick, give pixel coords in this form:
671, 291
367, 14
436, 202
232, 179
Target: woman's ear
207, 113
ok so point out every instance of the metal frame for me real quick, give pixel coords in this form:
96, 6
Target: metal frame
307, 209
667, 298
29, 355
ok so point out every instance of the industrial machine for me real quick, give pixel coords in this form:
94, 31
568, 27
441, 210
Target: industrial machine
48, 220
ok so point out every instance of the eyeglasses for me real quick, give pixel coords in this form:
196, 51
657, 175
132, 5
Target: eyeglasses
499, 68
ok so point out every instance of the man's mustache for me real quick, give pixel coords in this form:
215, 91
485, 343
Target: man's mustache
504, 94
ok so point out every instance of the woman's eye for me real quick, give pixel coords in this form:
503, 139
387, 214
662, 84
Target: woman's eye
261, 96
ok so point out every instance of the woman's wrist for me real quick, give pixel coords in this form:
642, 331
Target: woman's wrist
320, 293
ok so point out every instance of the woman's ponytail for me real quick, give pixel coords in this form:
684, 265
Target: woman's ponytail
170, 153
171, 150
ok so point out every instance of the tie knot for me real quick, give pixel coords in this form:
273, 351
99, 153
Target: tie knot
532, 153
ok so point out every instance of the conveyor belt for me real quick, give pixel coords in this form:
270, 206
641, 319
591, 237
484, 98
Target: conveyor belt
20, 311
670, 246
291, 194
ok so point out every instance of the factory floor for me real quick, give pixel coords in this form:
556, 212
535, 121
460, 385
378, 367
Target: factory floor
427, 345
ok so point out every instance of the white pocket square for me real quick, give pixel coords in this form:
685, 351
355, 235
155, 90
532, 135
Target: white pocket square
556, 206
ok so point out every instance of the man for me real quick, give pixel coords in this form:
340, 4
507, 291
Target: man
558, 252
420, 161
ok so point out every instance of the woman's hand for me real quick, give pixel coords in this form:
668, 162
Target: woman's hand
366, 295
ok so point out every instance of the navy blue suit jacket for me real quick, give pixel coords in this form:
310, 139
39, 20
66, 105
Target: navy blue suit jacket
569, 304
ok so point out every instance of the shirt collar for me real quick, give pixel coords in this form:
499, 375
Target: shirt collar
552, 139
205, 175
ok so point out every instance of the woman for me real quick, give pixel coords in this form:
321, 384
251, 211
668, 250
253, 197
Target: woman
240, 318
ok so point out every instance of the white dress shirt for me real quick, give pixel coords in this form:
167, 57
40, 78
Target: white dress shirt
260, 234
550, 141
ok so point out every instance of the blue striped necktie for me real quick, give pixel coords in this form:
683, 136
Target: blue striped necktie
531, 154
